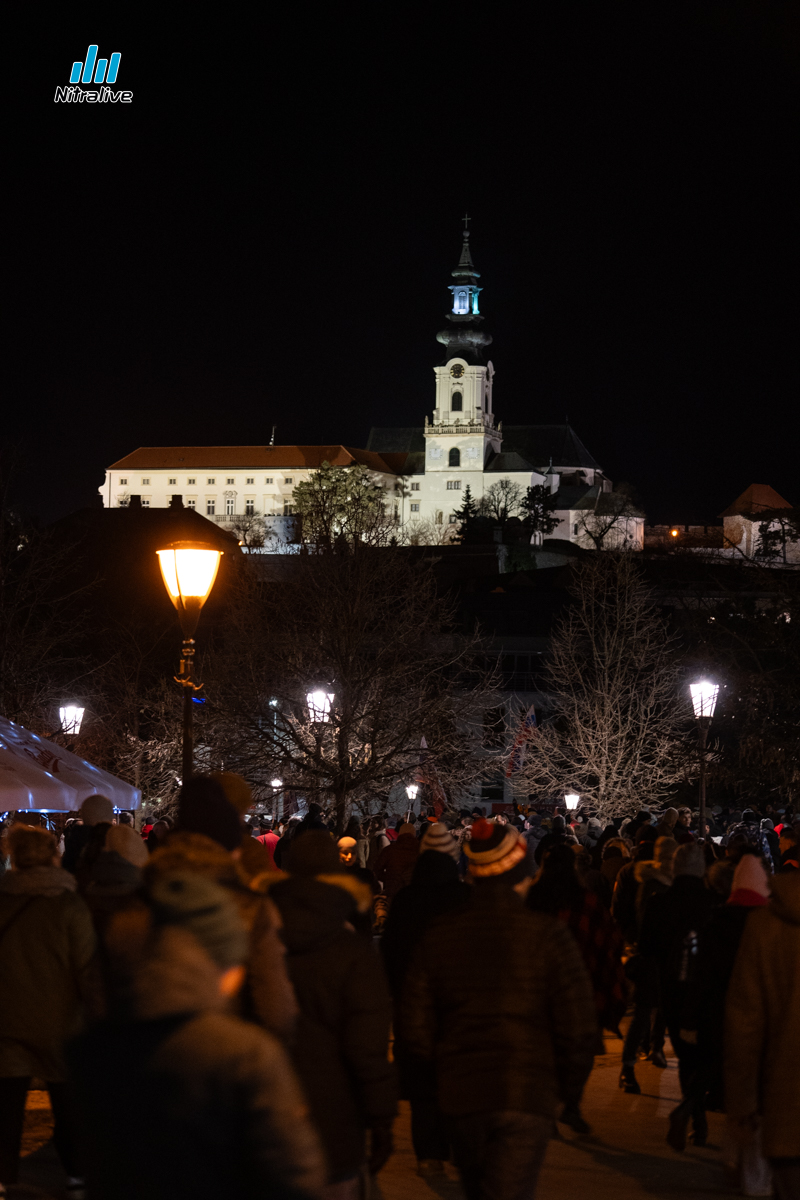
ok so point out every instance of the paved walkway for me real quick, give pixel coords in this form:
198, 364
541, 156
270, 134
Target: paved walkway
624, 1158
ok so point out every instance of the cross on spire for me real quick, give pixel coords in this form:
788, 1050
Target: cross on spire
466, 219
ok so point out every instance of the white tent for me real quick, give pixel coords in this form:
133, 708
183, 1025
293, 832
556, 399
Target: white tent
39, 775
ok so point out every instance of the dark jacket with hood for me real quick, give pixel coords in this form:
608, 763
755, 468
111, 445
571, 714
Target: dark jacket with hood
499, 997
48, 970
668, 926
224, 1111
394, 865
435, 889
340, 1048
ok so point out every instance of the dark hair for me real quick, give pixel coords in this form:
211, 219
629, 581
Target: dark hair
558, 886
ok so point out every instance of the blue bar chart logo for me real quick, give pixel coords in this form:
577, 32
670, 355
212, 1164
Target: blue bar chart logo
104, 69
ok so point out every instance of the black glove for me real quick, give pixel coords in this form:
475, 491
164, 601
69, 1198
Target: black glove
381, 1146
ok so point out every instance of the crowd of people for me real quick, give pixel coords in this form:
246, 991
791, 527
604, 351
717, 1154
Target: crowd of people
262, 993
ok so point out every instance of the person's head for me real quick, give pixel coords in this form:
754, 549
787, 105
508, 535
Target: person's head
203, 807
616, 846
404, 828
347, 851
664, 853
313, 852
751, 881
684, 817
200, 908
689, 860
97, 810
236, 790
125, 841
126, 818
670, 818
439, 838
789, 839
498, 855
558, 824
159, 831
30, 846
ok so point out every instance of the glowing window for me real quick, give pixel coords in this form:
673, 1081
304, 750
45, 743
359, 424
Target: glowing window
461, 300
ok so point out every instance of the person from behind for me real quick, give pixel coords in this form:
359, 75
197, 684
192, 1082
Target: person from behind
48, 983
225, 1111
789, 847
499, 999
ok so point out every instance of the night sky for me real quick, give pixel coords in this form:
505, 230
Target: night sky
265, 235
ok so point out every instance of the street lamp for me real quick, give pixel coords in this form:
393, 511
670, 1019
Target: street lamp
188, 570
319, 705
276, 784
412, 791
71, 716
704, 700
572, 800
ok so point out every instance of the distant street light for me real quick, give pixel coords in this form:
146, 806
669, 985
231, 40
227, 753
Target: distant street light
412, 791
276, 783
71, 716
572, 800
319, 705
704, 700
189, 570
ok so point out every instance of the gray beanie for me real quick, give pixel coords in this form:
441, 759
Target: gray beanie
689, 860
96, 809
204, 909
438, 837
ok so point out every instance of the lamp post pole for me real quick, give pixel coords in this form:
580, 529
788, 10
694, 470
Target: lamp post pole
189, 689
703, 724
704, 700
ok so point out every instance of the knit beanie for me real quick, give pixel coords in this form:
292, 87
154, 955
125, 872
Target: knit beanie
96, 809
751, 876
438, 837
202, 908
312, 853
558, 824
406, 828
237, 790
204, 808
670, 817
127, 844
689, 860
767, 825
665, 848
494, 849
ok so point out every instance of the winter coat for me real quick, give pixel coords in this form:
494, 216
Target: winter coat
546, 843
499, 997
435, 889
377, 844
270, 840
112, 885
225, 1114
48, 974
394, 865
670, 926
762, 1021
340, 1049
652, 882
623, 902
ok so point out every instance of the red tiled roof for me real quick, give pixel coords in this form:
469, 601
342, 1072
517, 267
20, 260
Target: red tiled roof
194, 458
759, 497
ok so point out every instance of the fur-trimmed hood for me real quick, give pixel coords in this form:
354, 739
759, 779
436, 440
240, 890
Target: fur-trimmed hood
315, 908
38, 881
651, 869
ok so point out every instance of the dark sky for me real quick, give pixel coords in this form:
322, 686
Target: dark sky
265, 234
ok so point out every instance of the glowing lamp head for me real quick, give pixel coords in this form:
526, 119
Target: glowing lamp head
572, 800
319, 705
189, 570
673, 532
71, 716
276, 783
704, 698
412, 791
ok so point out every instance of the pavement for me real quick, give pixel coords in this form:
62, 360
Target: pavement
625, 1157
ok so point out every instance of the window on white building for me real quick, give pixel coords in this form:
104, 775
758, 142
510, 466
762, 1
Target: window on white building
173, 482
230, 506
211, 507
145, 502
454, 485
145, 483
287, 508
249, 507
456, 401
211, 480
230, 481
575, 530
288, 479
123, 502
269, 479
250, 479
454, 457
438, 518
191, 503
123, 482
415, 508
191, 482
415, 487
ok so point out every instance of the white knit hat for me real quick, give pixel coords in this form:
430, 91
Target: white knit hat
438, 837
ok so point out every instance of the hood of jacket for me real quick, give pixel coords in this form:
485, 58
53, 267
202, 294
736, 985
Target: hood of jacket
785, 902
315, 909
175, 976
113, 875
38, 881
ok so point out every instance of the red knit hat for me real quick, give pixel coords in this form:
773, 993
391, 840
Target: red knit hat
493, 849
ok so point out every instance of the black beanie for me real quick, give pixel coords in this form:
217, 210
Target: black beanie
202, 907
313, 853
204, 808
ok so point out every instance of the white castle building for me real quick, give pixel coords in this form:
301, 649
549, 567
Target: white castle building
425, 470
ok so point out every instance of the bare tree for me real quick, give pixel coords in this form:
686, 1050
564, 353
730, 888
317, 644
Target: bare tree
617, 735
250, 529
343, 504
425, 532
613, 521
367, 629
502, 501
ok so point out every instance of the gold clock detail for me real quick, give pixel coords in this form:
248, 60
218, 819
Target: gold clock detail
457, 370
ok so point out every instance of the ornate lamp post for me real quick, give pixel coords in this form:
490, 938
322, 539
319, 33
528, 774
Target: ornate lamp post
319, 705
189, 570
704, 700
572, 800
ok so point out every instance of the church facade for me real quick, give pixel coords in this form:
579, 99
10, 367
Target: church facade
425, 470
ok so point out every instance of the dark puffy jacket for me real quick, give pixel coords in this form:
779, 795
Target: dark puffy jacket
394, 865
435, 889
669, 923
341, 1043
225, 1113
499, 996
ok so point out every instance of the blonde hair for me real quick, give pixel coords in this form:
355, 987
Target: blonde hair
30, 846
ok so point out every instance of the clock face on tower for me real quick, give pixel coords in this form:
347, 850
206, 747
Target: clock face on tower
457, 371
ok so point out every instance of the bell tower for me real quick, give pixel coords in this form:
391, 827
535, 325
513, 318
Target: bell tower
462, 432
